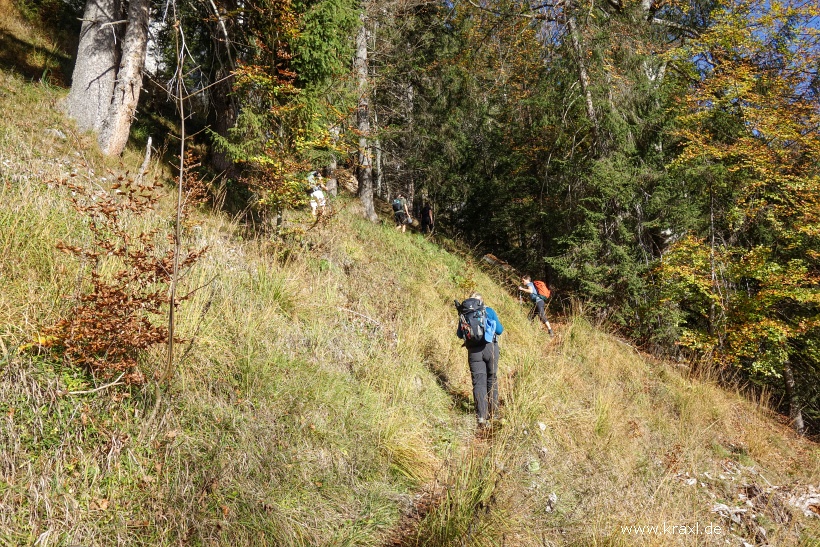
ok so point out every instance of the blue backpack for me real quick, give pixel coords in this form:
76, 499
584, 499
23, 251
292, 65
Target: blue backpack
489, 330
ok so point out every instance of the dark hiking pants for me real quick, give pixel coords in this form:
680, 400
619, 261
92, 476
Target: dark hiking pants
484, 367
539, 309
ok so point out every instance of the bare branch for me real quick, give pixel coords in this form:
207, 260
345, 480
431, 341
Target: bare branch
198, 91
224, 31
363, 316
112, 23
106, 386
689, 31
536, 16
145, 162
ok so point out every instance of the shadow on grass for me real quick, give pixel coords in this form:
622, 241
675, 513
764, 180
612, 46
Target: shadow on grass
33, 62
461, 399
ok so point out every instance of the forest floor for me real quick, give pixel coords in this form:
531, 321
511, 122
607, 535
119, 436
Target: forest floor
322, 398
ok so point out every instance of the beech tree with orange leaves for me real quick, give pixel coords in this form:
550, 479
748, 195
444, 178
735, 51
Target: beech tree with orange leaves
747, 278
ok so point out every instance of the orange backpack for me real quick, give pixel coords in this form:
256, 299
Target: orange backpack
542, 288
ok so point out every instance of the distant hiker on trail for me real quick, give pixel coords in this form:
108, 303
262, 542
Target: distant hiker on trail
426, 218
538, 298
316, 190
401, 213
479, 327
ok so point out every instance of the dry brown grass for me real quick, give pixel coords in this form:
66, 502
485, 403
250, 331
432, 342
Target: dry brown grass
619, 438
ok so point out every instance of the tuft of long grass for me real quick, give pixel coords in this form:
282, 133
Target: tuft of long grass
467, 511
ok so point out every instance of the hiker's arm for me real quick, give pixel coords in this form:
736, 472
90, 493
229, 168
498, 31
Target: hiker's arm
525, 289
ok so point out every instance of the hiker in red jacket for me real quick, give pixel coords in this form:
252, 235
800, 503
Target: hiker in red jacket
529, 288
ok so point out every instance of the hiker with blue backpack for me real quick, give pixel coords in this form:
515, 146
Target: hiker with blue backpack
539, 298
479, 327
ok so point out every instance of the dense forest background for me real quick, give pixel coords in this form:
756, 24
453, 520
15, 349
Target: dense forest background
657, 162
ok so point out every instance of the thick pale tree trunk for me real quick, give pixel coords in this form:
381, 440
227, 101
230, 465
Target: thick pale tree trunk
117, 125
92, 83
107, 78
365, 167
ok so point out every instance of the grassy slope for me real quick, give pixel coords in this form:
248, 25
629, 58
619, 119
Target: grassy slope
325, 387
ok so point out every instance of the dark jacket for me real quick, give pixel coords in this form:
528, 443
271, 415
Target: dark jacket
491, 316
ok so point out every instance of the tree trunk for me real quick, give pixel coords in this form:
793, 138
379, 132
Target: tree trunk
225, 106
795, 413
407, 102
364, 170
376, 143
225, 113
92, 82
117, 125
584, 77
712, 268
379, 175
332, 183
411, 191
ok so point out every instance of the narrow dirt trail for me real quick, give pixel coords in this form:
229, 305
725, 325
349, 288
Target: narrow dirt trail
431, 495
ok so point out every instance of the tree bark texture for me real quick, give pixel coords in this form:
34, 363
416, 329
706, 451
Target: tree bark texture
379, 174
584, 77
795, 413
364, 170
116, 126
95, 71
225, 113
332, 183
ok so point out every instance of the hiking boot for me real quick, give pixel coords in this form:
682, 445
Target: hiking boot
482, 423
